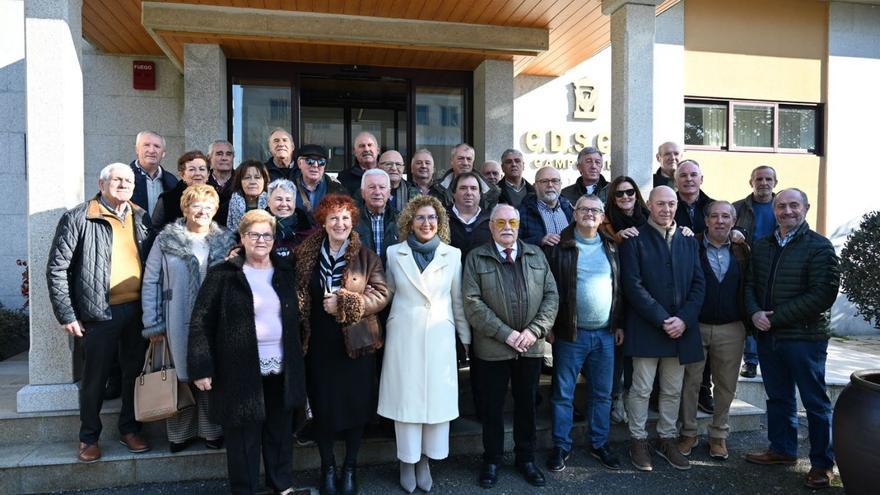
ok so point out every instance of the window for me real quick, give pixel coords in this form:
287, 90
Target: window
422, 115
751, 126
449, 116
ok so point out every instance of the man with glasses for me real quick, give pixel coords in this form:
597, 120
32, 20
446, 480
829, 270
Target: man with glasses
312, 183
281, 148
401, 191
591, 181
546, 213
662, 281
587, 328
510, 300
377, 227
514, 188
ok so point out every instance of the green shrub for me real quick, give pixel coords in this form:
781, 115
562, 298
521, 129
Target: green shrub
860, 268
14, 329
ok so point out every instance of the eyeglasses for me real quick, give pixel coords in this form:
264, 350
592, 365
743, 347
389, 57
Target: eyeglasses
391, 164
425, 218
592, 211
256, 236
625, 192
317, 162
500, 223
544, 182
202, 208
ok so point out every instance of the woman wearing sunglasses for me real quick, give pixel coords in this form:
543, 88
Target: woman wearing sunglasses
626, 210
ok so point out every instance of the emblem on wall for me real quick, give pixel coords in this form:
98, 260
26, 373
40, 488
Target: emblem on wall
585, 97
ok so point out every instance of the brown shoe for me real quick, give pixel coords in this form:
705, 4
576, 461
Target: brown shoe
88, 452
768, 457
640, 454
686, 444
718, 449
819, 478
134, 443
667, 448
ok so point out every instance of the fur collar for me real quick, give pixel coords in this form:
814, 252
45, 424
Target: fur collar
174, 241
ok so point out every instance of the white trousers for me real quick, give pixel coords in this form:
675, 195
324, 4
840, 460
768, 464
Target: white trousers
415, 439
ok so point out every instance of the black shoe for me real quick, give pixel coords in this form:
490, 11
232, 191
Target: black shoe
175, 447
348, 481
488, 475
328, 480
606, 457
706, 403
215, 444
531, 473
556, 461
748, 370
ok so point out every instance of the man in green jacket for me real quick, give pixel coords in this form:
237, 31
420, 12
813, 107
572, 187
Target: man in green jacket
791, 284
510, 300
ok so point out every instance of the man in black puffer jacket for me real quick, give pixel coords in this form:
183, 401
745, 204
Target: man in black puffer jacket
790, 286
94, 277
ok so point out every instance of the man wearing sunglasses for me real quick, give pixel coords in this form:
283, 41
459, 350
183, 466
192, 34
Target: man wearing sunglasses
544, 214
312, 183
510, 300
591, 181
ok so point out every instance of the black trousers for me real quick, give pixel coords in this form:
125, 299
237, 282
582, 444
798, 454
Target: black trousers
103, 342
522, 374
272, 437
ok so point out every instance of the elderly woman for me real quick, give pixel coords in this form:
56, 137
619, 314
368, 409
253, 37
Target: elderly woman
244, 348
248, 191
292, 224
175, 269
193, 169
341, 288
419, 384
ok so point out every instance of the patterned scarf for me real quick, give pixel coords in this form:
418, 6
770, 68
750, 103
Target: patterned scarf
332, 268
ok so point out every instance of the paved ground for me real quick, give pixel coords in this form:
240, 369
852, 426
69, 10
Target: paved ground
458, 476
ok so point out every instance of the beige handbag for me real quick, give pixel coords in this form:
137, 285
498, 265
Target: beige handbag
157, 393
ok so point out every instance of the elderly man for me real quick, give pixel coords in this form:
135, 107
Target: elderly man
462, 160
790, 287
721, 329
468, 223
401, 191
378, 223
514, 188
312, 184
544, 214
281, 149
587, 328
366, 153
754, 217
491, 171
591, 181
150, 179
421, 171
94, 277
692, 200
662, 280
510, 300
220, 157
668, 156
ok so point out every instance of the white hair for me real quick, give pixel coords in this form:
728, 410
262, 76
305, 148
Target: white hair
374, 171
108, 170
142, 134
501, 206
220, 141
283, 184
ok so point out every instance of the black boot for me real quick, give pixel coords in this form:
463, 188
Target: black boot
328, 480
348, 481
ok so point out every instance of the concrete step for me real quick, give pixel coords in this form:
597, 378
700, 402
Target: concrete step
43, 466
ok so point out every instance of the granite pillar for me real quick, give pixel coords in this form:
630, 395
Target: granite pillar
54, 109
632, 90
493, 110
204, 108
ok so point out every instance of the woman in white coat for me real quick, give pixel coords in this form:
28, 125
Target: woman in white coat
419, 382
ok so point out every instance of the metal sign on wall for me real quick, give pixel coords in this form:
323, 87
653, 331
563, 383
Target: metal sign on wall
144, 75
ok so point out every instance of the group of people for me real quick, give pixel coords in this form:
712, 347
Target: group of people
279, 288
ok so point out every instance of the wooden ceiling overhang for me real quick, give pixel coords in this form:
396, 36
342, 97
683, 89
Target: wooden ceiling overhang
540, 37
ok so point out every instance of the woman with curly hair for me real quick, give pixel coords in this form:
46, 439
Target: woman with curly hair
340, 289
419, 380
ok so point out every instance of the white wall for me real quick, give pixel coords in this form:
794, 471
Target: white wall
115, 112
13, 184
853, 72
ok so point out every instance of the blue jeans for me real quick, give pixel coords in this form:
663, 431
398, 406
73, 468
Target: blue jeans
784, 365
594, 350
750, 351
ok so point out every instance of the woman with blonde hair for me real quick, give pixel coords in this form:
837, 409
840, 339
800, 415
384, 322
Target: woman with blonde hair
419, 381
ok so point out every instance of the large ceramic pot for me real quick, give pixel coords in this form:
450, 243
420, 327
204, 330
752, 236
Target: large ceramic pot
856, 433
